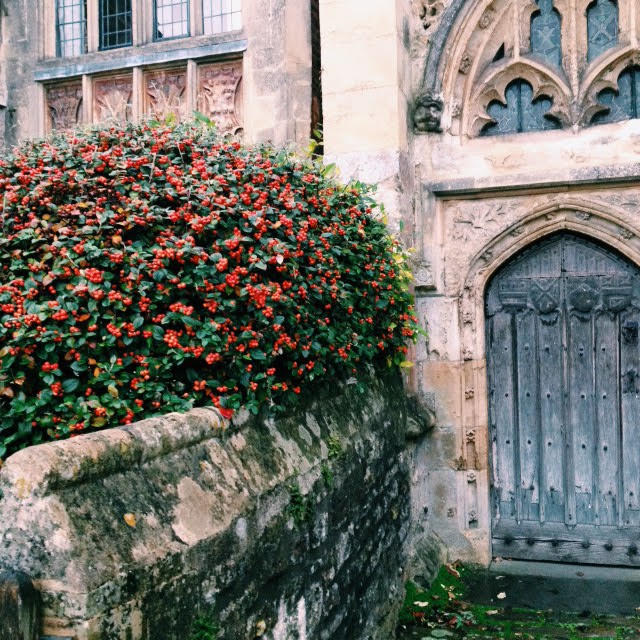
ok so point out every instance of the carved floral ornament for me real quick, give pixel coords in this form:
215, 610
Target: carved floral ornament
528, 65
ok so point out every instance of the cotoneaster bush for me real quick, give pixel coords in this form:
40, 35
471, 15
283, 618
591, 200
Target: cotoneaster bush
154, 269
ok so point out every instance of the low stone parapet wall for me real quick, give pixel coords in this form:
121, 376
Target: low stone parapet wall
267, 528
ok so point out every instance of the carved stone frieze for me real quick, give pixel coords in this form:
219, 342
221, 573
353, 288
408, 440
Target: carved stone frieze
64, 105
112, 99
220, 94
165, 93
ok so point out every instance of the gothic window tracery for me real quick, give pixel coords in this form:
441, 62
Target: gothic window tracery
602, 27
623, 103
535, 65
522, 112
546, 33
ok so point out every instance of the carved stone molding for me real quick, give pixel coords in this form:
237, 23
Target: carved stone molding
64, 105
220, 94
112, 99
165, 93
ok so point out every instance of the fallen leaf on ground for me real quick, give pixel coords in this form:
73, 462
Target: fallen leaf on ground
452, 570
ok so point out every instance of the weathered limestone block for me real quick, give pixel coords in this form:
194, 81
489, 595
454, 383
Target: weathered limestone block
19, 607
292, 526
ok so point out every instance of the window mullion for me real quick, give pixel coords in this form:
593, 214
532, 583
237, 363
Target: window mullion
137, 22
196, 17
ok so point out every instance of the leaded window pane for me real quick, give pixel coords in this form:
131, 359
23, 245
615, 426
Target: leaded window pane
623, 104
546, 33
521, 113
220, 16
71, 27
602, 27
171, 19
115, 24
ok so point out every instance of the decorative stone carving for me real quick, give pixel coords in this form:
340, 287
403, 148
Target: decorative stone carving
428, 12
112, 99
465, 64
64, 103
487, 18
220, 94
427, 114
423, 276
165, 93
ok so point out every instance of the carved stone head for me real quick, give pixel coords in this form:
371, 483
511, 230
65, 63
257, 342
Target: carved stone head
427, 113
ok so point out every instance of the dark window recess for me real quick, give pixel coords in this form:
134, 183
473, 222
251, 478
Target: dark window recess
316, 77
115, 24
71, 27
171, 19
521, 113
546, 33
499, 53
623, 104
602, 27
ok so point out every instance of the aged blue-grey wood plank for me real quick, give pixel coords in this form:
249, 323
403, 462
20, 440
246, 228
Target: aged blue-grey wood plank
528, 415
561, 551
551, 427
567, 420
580, 359
630, 410
502, 391
607, 424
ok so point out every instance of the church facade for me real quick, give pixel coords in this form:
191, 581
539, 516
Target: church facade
505, 139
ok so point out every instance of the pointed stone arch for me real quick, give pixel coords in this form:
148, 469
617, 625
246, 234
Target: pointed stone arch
604, 224
479, 41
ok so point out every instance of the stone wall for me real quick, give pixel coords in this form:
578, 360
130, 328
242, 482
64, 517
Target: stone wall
279, 529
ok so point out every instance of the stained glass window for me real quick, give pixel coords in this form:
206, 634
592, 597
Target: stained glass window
546, 33
71, 20
602, 27
221, 15
115, 24
623, 104
521, 113
171, 19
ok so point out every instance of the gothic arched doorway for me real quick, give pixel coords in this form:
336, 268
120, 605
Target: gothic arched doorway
563, 356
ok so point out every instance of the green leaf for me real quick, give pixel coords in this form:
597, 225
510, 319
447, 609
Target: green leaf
70, 385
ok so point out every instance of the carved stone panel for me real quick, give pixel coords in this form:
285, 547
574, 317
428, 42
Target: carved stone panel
112, 99
220, 94
165, 93
64, 106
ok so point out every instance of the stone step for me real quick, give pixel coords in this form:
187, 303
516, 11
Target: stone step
561, 587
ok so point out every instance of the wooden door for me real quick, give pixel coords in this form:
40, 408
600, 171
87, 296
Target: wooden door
562, 321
